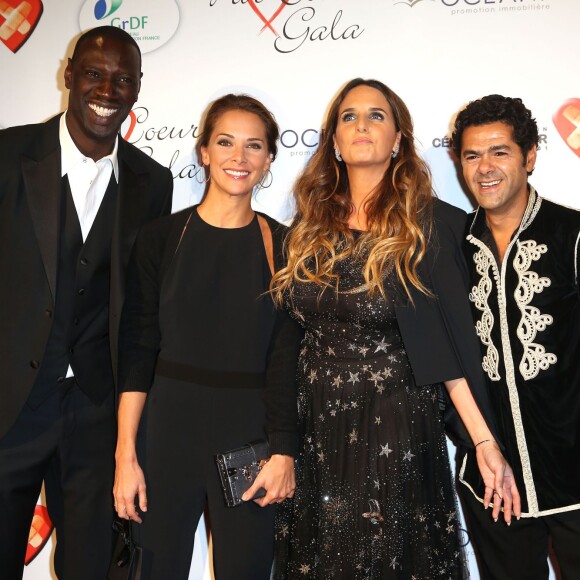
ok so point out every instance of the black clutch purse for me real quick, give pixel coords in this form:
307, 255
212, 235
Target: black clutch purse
126, 561
239, 468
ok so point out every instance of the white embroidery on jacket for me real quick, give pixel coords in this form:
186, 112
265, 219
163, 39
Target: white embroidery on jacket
479, 296
511, 373
534, 358
532, 209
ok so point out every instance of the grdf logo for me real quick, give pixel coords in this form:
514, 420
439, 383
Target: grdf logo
101, 8
150, 22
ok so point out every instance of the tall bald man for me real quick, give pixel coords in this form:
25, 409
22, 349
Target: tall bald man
73, 195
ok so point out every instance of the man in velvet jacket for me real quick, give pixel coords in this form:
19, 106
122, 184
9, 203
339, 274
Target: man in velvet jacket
523, 253
73, 195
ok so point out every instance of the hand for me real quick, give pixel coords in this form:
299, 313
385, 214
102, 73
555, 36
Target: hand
277, 478
129, 483
499, 482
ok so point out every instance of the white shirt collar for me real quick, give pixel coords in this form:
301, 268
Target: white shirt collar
70, 154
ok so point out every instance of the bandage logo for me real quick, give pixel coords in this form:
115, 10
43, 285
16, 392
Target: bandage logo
567, 121
101, 8
40, 531
18, 19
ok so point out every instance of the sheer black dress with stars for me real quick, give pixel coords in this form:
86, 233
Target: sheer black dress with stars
375, 498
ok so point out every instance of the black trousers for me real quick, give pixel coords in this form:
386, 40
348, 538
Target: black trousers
183, 427
69, 443
520, 551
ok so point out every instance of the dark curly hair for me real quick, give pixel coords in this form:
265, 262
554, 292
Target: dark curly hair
492, 109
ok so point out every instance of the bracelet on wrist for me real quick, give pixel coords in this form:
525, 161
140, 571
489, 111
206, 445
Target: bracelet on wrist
484, 441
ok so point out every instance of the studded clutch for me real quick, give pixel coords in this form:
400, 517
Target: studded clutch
239, 468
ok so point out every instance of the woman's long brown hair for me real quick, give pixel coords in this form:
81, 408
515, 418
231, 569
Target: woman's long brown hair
398, 212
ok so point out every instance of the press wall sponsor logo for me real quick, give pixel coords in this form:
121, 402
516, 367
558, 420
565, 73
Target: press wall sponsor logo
300, 142
18, 19
475, 7
445, 141
150, 22
141, 132
409, 3
104, 9
295, 24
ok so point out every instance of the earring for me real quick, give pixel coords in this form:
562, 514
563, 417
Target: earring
337, 154
261, 184
395, 151
206, 171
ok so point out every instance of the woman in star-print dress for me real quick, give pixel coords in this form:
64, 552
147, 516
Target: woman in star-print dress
374, 497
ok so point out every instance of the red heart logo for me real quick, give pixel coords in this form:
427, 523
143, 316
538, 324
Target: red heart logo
267, 22
18, 19
132, 122
40, 528
567, 121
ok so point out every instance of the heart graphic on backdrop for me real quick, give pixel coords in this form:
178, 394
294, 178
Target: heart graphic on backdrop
567, 121
267, 22
18, 19
40, 530
132, 118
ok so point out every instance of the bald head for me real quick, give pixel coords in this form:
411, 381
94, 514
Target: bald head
109, 32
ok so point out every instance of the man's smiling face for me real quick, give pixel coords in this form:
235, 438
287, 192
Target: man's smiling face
494, 167
104, 81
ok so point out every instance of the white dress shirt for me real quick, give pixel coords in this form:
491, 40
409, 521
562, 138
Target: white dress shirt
88, 180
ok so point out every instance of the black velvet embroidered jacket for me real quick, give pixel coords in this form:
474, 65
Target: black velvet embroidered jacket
527, 313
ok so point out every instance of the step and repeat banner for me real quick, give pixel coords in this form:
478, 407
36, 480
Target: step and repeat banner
294, 55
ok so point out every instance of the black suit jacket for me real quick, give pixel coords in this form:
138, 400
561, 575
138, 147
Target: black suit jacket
438, 331
30, 194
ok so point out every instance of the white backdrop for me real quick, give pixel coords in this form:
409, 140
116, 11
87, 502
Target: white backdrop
294, 55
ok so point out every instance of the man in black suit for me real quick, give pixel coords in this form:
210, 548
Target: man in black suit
73, 195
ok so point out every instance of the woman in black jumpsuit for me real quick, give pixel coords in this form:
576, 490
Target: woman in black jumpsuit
207, 362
